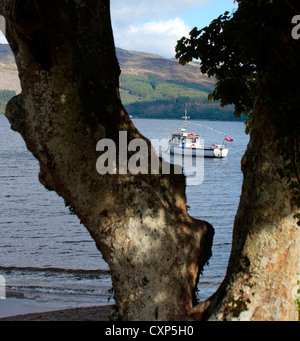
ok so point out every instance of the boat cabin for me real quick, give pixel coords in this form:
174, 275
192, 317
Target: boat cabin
185, 140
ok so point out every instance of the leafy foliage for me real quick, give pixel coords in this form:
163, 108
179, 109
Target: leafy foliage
235, 48
218, 48
255, 59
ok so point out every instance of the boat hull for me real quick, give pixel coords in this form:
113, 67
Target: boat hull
207, 152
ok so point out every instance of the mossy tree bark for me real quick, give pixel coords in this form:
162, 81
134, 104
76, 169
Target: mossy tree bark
263, 274
261, 280
70, 100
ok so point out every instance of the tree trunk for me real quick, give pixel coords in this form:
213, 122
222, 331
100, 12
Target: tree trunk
263, 274
261, 280
70, 100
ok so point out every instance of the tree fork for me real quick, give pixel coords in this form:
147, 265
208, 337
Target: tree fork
70, 100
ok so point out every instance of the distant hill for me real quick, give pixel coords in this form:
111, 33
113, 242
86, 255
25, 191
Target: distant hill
5, 96
158, 87
9, 78
147, 64
150, 86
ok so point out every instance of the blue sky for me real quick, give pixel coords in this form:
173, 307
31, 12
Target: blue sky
155, 25
202, 16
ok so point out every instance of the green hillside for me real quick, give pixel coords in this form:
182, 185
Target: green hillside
151, 97
5, 96
156, 87
141, 88
150, 86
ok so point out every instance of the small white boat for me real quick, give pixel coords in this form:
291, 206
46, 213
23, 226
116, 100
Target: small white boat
190, 144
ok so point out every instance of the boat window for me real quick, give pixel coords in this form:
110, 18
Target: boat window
175, 139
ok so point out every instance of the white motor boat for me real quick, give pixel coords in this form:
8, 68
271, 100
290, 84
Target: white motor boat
190, 144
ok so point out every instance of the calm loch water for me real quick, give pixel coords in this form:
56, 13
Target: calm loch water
48, 257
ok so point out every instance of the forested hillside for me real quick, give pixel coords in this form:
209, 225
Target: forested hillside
151, 97
150, 86
5, 96
158, 87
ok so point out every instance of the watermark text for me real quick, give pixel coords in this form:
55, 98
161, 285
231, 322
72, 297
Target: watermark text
296, 29
136, 158
2, 288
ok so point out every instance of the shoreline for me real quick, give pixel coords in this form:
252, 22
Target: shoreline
95, 313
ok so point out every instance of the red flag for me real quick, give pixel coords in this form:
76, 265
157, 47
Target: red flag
228, 139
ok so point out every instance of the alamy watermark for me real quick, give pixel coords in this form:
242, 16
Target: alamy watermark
296, 29
2, 288
135, 158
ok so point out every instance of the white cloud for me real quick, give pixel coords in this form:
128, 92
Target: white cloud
158, 37
150, 26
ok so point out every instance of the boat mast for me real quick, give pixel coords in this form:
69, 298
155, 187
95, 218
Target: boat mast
185, 117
